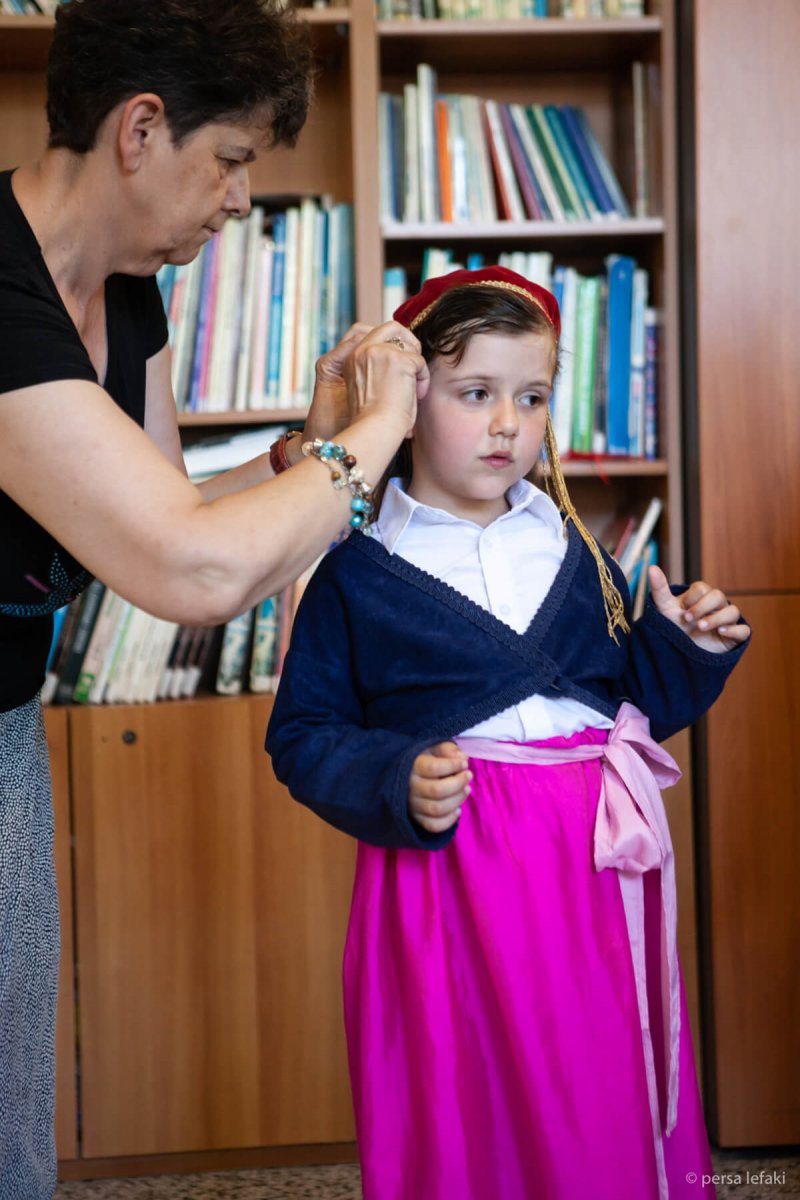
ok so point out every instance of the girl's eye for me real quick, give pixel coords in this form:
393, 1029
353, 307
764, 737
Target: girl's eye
530, 400
476, 394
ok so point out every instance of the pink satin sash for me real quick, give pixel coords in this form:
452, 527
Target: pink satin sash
631, 835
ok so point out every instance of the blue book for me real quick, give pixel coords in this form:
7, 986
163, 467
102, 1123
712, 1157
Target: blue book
165, 278
474, 261
522, 163
58, 622
620, 309
574, 132
203, 330
610, 179
276, 307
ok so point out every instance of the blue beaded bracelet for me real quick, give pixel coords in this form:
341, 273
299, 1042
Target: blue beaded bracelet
345, 472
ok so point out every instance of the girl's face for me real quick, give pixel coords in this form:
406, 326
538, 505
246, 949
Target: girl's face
481, 425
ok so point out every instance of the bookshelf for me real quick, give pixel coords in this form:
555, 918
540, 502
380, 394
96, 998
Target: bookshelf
287, 1099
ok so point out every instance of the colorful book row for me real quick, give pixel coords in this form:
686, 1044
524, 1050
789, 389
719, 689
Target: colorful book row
500, 10
252, 313
464, 159
28, 8
106, 651
605, 400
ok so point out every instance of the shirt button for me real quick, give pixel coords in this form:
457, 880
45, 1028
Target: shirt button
505, 609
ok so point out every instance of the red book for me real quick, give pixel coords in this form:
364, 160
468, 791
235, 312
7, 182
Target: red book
445, 169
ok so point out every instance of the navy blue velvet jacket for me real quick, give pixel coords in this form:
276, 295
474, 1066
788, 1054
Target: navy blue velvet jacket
385, 660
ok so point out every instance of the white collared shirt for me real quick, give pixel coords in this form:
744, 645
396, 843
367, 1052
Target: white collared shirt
507, 568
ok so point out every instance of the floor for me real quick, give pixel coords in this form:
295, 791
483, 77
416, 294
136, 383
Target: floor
741, 1175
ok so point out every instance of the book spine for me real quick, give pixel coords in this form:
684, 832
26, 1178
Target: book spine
603, 165
563, 392
652, 324
234, 654
250, 308
534, 201
276, 308
90, 605
427, 144
411, 201
510, 200
574, 133
586, 199
641, 194
599, 384
585, 350
289, 306
636, 404
552, 206
620, 305
558, 172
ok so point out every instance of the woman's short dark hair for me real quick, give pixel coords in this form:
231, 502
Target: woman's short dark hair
208, 60
458, 317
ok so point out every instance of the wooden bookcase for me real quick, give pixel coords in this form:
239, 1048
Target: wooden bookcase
209, 912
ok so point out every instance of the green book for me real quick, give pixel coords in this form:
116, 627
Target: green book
582, 186
570, 200
585, 351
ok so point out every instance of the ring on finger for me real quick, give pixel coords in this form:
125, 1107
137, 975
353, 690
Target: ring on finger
397, 341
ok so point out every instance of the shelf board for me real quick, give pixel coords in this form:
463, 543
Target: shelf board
515, 230
262, 416
616, 467
24, 41
545, 44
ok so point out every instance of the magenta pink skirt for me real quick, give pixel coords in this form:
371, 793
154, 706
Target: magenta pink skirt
493, 1033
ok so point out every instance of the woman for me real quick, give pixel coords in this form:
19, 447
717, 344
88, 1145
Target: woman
155, 108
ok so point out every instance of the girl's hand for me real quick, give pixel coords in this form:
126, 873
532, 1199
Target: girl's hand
438, 786
702, 612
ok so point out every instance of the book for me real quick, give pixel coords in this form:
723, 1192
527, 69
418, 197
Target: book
411, 199
620, 270
639, 539
585, 352
511, 205
64, 623
553, 208
275, 325
565, 282
89, 607
444, 163
100, 649
641, 151
535, 204
568, 197
573, 167
574, 133
234, 655
265, 637
609, 178
599, 385
653, 322
637, 365
427, 146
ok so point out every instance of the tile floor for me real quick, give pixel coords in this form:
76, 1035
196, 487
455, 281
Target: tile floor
742, 1175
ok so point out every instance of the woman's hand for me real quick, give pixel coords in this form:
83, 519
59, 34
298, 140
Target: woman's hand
702, 612
386, 372
330, 411
438, 786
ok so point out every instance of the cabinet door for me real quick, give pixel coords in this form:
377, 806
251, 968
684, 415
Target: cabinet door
754, 836
66, 1082
211, 919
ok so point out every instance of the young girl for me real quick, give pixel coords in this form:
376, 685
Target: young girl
465, 695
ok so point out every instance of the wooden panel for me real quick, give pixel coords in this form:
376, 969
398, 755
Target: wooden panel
678, 803
748, 305
66, 1080
211, 919
23, 124
754, 834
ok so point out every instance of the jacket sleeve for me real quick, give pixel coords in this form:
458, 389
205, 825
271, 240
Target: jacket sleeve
354, 777
668, 676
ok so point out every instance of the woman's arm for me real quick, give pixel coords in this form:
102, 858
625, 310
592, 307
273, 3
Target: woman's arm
84, 471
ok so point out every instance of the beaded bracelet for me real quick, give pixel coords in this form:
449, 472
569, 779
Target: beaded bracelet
335, 456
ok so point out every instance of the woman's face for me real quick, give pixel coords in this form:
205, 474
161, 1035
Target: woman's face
481, 425
193, 188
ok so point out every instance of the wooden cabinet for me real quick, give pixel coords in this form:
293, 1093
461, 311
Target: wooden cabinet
745, 200
210, 918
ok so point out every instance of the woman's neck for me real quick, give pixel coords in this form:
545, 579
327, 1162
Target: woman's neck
65, 201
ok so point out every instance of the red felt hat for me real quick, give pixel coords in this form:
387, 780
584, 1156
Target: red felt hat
416, 308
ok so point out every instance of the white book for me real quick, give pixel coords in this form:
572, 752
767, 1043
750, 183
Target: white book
319, 282
250, 299
289, 311
385, 156
261, 327
395, 290
105, 624
119, 688
295, 397
226, 352
505, 165
458, 159
564, 385
334, 268
252, 261
484, 208
534, 155
640, 537
185, 332
540, 268
411, 204
426, 144
100, 685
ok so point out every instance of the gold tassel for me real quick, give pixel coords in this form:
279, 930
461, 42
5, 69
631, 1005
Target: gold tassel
612, 599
